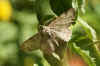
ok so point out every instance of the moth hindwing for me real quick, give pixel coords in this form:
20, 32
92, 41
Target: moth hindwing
47, 38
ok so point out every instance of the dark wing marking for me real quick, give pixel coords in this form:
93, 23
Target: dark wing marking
32, 43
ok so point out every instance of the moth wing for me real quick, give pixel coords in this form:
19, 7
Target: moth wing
64, 34
60, 26
47, 46
32, 43
64, 20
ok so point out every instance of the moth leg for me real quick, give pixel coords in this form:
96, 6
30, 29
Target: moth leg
53, 37
55, 41
55, 59
61, 50
51, 45
52, 60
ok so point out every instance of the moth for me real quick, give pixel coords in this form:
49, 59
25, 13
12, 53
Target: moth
52, 35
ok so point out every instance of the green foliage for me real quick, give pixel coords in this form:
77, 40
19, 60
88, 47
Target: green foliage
27, 14
84, 54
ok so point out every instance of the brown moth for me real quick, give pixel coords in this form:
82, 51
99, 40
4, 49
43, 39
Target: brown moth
49, 37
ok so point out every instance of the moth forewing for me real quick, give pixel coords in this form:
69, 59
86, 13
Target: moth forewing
60, 26
32, 43
65, 19
65, 35
71, 13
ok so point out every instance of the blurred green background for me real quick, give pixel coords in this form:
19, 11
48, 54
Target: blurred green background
19, 21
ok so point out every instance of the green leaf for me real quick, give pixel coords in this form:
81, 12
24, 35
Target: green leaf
84, 54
